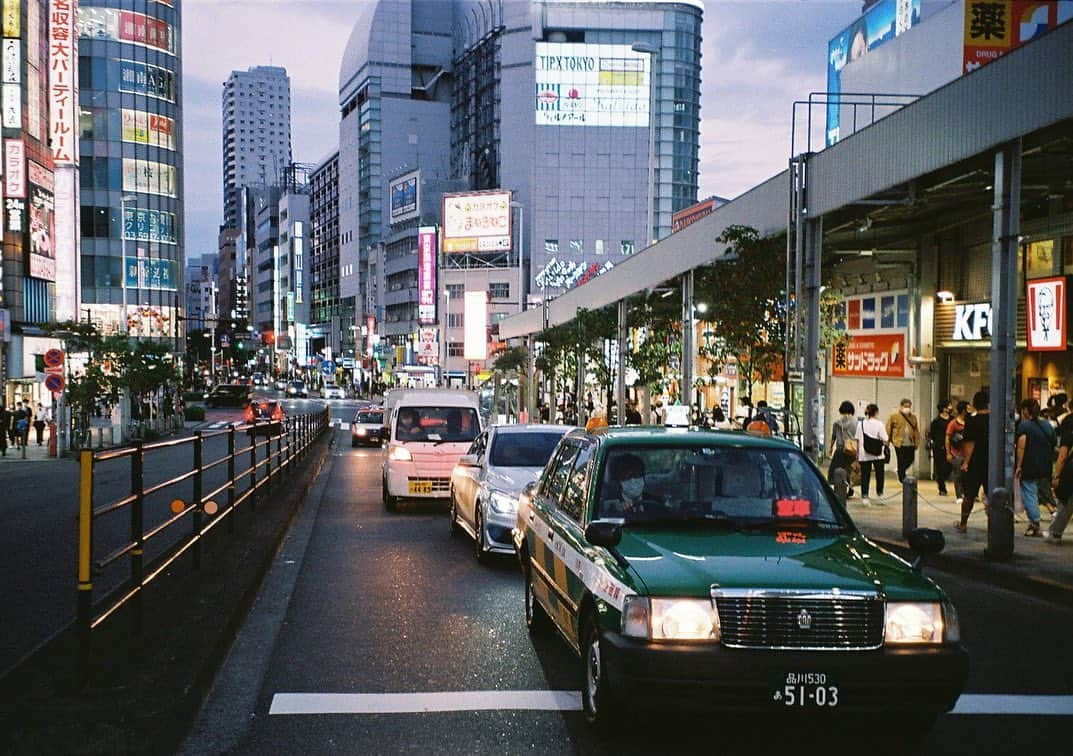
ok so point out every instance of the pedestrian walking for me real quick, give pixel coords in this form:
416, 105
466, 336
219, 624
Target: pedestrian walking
974, 460
22, 424
872, 440
6, 421
1034, 460
843, 444
39, 424
1062, 481
955, 440
937, 445
903, 429
633, 417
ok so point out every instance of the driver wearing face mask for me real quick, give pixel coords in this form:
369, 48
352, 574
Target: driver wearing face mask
626, 493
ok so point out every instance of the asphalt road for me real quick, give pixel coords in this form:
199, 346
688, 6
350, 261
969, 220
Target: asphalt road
39, 532
377, 604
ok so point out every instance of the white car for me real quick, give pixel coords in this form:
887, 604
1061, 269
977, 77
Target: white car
332, 391
487, 480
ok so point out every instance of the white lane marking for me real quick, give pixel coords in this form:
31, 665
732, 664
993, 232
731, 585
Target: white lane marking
977, 703
409, 703
570, 700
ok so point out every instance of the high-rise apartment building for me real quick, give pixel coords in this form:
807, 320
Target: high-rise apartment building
256, 121
131, 169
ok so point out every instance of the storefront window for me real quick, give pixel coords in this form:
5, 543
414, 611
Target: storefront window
1039, 259
1067, 254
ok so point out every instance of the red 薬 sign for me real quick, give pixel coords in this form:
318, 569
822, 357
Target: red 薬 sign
879, 355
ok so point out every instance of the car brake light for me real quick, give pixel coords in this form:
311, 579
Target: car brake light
278, 414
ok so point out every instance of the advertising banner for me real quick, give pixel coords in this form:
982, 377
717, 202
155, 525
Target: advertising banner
881, 23
12, 18
1047, 314
141, 78
477, 222
995, 27
140, 127
591, 85
426, 275
126, 26
880, 355
150, 273
14, 169
148, 176
42, 225
403, 197
12, 61
149, 225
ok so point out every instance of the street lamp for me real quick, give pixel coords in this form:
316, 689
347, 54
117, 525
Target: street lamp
653, 55
123, 200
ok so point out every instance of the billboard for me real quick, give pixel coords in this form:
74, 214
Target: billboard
126, 26
591, 85
42, 223
12, 18
142, 78
149, 176
475, 322
881, 23
1047, 314
477, 222
878, 355
404, 201
14, 169
426, 275
150, 273
149, 225
11, 59
140, 127
995, 27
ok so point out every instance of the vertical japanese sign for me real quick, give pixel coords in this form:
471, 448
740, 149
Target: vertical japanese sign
14, 168
299, 261
62, 81
426, 275
42, 226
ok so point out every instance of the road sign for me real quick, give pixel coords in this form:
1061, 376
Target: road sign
54, 358
327, 367
54, 382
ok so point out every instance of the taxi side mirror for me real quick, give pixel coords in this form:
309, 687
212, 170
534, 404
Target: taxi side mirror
468, 460
925, 542
603, 533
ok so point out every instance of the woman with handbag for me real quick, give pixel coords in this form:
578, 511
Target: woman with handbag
873, 446
843, 444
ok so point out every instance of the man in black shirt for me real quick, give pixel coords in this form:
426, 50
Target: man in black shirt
975, 448
937, 442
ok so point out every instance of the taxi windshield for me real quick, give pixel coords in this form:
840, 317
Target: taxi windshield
437, 424
741, 487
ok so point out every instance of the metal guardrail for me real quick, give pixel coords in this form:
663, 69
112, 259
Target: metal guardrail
272, 449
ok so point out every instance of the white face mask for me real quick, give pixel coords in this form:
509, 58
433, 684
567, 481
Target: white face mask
633, 487
906, 410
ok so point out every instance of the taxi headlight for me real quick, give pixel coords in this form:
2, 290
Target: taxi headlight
359, 431
909, 623
672, 619
503, 504
400, 454
952, 623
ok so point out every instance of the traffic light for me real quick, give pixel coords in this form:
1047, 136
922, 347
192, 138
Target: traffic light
240, 345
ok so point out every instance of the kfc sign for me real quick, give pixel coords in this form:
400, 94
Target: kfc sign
1046, 324
972, 322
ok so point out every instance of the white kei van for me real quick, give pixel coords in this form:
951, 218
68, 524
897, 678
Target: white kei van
429, 431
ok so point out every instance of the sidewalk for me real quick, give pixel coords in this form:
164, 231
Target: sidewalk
1037, 565
34, 453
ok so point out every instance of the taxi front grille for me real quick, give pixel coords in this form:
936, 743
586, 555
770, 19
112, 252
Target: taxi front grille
800, 620
438, 485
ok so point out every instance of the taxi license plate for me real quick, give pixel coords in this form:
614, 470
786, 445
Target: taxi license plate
804, 690
420, 486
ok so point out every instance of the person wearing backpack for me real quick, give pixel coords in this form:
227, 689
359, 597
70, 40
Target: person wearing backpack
1034, 460
843, 443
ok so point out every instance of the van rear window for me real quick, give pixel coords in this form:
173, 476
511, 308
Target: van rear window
443, 424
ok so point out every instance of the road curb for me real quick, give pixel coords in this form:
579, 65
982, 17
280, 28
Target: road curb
1001, 574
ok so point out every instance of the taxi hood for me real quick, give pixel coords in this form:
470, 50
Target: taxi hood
689, 563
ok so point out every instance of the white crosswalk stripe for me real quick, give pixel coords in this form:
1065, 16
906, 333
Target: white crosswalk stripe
570, 700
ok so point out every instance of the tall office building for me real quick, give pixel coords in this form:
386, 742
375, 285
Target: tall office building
131, 170
256, 120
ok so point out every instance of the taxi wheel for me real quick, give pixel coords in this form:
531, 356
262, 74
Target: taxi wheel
478, 534
452, 516
536, 619
598, 702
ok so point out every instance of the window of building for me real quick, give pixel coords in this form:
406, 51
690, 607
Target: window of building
551, 246
499, 290
454, 320
627, 247
577, 246
455, 349
456, 291
599, 246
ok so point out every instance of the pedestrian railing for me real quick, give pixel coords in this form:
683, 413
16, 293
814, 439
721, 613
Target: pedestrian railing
169, 518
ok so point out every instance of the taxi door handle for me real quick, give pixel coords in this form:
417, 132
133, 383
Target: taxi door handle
551, 535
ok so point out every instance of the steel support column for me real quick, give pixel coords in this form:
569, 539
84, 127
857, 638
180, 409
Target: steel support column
811, 431
620, 375
1004, 282
688, 353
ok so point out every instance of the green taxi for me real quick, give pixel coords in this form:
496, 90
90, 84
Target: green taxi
718, 570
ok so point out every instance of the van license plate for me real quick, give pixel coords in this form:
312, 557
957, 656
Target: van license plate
805, 690
420, 486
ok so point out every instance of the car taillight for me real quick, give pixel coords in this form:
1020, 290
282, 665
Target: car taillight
249, 414
278, 414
